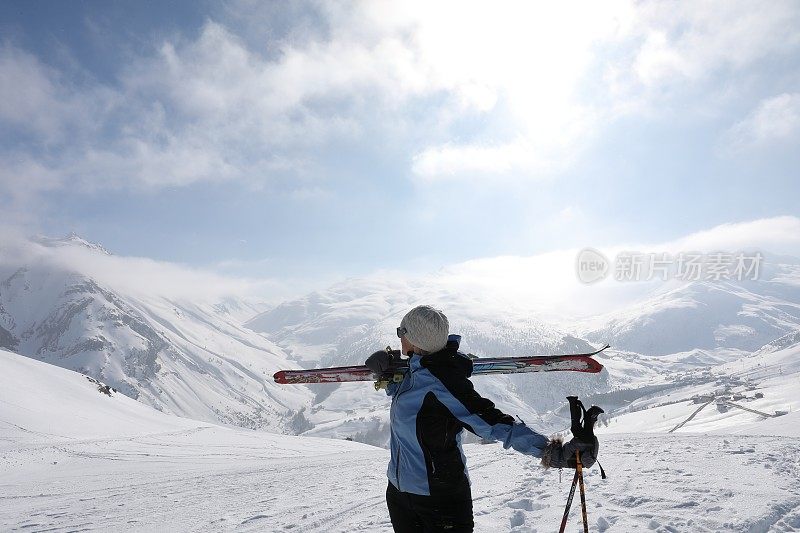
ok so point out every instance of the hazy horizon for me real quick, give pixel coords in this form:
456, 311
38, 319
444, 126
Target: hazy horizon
314, 142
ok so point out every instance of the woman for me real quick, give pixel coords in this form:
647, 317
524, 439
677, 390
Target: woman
429, 489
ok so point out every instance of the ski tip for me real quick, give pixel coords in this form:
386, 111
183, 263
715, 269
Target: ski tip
594, 366
279, 376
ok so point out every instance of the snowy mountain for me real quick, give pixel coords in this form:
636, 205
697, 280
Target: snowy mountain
342, 323
75, 458
190, 358
72, 239
706, 315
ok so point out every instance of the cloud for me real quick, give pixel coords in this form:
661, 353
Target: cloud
779, 235
522, 76
774, 120
515, 90
32, 100
22, 175
547, 284
208, 109
694, 41
544, 284
139, 276
533, 155
695, 60
541, 70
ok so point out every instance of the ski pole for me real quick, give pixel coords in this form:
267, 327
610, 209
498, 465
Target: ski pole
579, 473
569, 502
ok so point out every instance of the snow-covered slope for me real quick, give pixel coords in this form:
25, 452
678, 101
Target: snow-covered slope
187, 357
73, 458
757, 393
724, 316
45, 403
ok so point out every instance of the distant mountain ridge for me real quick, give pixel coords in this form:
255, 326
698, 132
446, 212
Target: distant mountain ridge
342, 323
705, 315
192, 359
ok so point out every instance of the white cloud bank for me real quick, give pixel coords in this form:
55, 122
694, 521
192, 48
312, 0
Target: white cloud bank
545, 284
136, 276
779, 235
540, 79
548, 284
559, 73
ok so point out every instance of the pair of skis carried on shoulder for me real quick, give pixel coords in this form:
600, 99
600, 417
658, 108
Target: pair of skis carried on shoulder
581, 362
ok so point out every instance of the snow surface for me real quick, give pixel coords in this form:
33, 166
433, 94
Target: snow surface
73, 458
767, 381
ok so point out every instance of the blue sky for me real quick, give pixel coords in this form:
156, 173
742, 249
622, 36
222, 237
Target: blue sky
337, 139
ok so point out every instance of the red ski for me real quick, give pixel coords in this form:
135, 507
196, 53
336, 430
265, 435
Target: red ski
480, 366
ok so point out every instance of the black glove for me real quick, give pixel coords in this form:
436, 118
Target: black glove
559, 455
379, 362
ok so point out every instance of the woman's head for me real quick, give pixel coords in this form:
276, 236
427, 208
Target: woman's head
423, 330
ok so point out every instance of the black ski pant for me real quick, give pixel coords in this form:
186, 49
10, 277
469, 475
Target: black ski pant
412, 513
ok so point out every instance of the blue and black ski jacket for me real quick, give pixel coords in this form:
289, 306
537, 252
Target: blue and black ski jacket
430, 407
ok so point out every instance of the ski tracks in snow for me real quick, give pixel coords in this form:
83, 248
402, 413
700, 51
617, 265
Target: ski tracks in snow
219, 480
686, 483
193, 480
